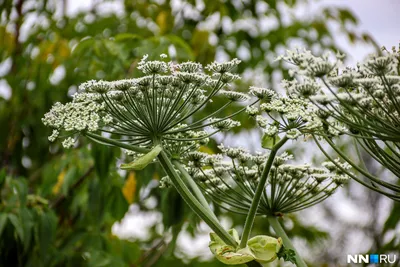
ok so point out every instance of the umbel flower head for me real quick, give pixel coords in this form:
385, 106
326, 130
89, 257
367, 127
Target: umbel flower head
361, 101
290, 188
157, 108
288, 114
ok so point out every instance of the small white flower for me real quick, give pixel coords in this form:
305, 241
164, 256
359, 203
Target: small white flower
234, 96
224, 125
293, 133
252, 111
54, 135
223, 67
68, 142
262, 93
270, 130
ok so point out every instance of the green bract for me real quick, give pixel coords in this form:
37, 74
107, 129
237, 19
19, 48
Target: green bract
261, 248
142, 162
264, 248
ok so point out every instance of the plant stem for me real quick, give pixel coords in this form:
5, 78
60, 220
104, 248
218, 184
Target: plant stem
192, 184
259, 190
112, 142
273, 221
193, 203
200, 197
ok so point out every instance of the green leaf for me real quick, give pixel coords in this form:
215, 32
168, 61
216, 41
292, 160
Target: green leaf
27, 220
83, 46
3, 175
126, 36
142, 162
47, 230
96, 201
394, 218
118, 204
172, 207
21, 189
17, 225
287, 255
126, 250
103, 157
3, 222
69, 178
268, 142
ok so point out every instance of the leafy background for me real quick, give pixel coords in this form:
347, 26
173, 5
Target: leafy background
59, 207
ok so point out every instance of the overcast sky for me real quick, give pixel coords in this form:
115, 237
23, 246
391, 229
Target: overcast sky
380, 18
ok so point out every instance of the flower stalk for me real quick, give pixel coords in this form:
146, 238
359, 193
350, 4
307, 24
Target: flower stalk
273, 221
204, 213
192, 185
112, 142
260, 189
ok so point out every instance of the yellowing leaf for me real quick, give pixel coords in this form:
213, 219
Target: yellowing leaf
156, 176
60, 180
129, 188
206, 149
162, 21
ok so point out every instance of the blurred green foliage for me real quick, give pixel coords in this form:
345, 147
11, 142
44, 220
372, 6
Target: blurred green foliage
57, 206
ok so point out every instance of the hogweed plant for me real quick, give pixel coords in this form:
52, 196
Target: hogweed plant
155, 118
365, 102
264, 184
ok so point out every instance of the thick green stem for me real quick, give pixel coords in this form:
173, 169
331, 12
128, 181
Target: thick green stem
259, 190
192, 185
193, 203
273, 221
199, 195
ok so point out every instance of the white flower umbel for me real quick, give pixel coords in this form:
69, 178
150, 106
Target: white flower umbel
290, 188
361, 101
151, 109
155, 118
289, 114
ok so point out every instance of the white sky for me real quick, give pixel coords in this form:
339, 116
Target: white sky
380, 18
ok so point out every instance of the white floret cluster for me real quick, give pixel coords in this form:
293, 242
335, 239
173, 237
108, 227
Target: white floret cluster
291, 114
230, 180
152, 108
82, 114
362, 99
